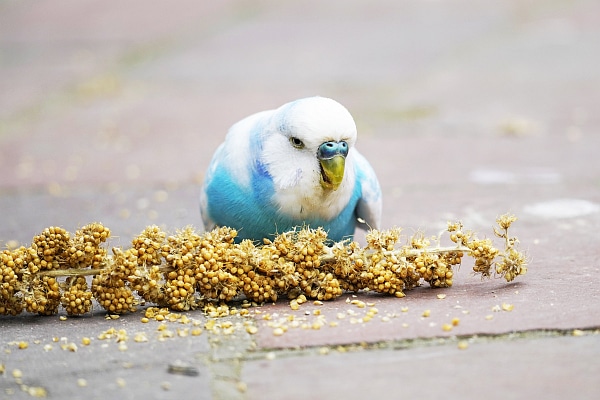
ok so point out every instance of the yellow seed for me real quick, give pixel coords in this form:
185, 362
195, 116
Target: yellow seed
145, 320
447, 327
81, 382
251, 329
426, 313
23, 345
242, 387
196, 332
184, 332
72, 347
358, 303
578, 332
86, 341
36, 391
63, 317
463, 345
140, 337
507, 307
441, 296
278, 332
455, 321
17, 373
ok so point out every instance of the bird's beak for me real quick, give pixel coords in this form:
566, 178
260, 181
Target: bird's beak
332, 157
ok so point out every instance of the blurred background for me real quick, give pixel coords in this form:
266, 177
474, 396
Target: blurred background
467, 109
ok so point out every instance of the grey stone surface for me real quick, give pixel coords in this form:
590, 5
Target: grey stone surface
466, 110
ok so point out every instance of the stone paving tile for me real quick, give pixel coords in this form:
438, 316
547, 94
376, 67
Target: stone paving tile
56, 358
516, 369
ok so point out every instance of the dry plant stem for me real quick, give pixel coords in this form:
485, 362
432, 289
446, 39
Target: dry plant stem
328, 257
71, 272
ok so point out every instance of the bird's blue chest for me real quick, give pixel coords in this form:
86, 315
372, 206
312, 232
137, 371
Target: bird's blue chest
251, 210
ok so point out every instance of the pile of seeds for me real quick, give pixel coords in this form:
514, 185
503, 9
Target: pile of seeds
184, 270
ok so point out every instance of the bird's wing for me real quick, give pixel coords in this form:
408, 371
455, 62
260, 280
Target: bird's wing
236, 156
369, 205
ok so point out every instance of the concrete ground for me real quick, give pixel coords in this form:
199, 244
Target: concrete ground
466, 110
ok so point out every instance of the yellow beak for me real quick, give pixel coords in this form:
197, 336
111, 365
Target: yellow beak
332, 171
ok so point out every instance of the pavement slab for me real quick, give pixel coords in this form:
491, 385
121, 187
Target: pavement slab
466, 111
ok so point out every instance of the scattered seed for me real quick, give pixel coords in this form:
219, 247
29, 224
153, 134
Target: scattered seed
242, 387
140, 337
463, 345
72, 347
196, 332
278, 332
37, 391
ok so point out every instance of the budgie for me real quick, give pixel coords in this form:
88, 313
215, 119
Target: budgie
292, 167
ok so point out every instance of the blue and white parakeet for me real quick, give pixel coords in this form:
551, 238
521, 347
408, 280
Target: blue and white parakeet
292, 167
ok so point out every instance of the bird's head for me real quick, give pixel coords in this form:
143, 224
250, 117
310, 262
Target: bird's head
310, 142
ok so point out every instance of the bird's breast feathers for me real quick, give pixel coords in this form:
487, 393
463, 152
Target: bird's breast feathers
299, 194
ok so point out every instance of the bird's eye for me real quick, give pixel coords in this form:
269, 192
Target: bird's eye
297, 143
